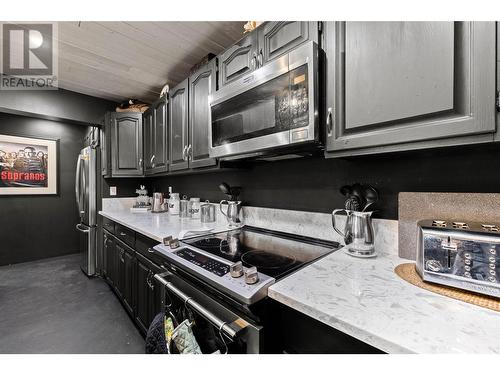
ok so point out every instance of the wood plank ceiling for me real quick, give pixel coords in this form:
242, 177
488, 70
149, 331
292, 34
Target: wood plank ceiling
122, 60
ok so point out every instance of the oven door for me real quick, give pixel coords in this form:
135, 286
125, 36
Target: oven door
274, 106
211, 318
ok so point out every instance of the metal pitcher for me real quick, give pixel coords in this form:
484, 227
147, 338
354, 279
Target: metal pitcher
358, 232
232, 213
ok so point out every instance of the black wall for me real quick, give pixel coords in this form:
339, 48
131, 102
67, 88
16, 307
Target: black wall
313, 184
35, 227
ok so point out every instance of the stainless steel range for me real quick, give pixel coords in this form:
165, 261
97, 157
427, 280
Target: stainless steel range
236, 268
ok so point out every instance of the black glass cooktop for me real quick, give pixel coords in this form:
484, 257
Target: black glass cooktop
275, 254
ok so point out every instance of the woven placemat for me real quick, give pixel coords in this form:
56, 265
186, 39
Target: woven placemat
408, 273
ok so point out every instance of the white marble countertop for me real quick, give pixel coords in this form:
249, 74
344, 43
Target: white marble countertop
160, 225
367, 300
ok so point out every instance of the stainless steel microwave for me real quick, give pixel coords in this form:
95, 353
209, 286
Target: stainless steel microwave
268, 109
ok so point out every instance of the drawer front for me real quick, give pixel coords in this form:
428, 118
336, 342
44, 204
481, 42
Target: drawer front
125, 234
109, 225
144, 246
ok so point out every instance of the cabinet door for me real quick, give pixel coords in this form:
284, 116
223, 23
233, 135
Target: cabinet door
110, 258
126, 144
143, 296
128, 278
238, 59
178, 119
278, 38
119, 259
106, 145
147, 123
406, 85
159, 139
201, 85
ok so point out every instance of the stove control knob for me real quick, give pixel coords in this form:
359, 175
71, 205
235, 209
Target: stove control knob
251, 275
236, 269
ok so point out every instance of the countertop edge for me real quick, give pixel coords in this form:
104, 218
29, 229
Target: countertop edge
110, 216
344, 327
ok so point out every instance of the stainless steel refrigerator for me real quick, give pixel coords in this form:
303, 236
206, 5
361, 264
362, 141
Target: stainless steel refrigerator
86, 199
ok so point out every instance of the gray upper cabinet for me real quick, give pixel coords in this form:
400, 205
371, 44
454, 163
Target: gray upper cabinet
266, 43
201, 85
147, 124
238, 59
406, 85
126, 144
106, 145
156, 136
278, 38
179, 124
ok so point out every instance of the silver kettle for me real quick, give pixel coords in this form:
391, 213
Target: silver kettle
232, 213
358, 232
158, 202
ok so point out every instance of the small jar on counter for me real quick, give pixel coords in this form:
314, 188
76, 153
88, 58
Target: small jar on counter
174, 204
194, 208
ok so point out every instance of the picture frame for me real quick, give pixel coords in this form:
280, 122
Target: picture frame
28, 165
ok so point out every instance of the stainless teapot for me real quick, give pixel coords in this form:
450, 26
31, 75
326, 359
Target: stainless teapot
358, 232
232, 213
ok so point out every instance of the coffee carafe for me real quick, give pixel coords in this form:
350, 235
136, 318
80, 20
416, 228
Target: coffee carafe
158, 202
232, 212
358, 232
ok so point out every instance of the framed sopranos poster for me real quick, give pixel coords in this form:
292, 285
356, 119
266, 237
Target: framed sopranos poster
28, 166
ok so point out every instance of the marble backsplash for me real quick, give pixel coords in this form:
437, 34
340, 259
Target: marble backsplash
311, 224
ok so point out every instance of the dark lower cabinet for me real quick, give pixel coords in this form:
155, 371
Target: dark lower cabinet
109, 258
131, 275
125, 277
148, 293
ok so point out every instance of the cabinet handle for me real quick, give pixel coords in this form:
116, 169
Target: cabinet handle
140, 163
121, 256
123, 234
189, 152
329, 121
184, 157
261, 58
253, 62
152, 158
150, 250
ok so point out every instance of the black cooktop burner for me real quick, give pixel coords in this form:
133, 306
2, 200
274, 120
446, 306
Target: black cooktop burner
264, 260
275, 254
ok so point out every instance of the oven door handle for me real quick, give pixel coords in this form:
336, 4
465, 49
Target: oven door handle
230, 330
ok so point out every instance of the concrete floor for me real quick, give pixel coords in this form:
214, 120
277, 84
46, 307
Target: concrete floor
50, 306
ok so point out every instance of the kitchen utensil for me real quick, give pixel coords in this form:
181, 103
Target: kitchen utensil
346, 190
232, 213
226, 189
358, 191
235, 192
371, 196
358, 232
352, 204
158, 203
207, 212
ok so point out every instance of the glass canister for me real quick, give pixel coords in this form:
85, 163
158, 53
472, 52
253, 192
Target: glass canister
174, 204
207, 212
194, 208
184, 207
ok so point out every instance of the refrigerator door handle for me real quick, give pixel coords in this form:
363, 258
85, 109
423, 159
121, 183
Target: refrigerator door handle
77, 183
81, 228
